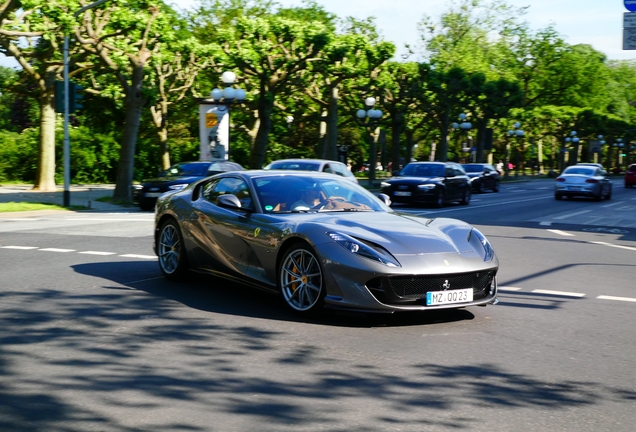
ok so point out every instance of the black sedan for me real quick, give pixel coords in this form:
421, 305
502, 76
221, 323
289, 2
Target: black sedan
320, 241
177, 177
483, 177
429, 182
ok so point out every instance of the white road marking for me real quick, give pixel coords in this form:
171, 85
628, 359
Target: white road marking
97, 253
19, 247
563, 233
506, 288
139, 256
613, 245
111, 219
561, 293
545, 223
57, 250
627, 299
610, 205
569, 215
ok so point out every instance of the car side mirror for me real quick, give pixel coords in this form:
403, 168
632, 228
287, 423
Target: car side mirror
384, 198
228, 201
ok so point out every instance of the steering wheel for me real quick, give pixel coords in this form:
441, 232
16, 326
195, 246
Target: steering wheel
323, 204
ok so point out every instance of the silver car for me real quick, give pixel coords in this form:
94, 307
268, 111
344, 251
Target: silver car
322, 165
322, 241
583, 180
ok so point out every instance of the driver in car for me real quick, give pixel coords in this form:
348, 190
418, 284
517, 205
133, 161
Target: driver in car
309, 197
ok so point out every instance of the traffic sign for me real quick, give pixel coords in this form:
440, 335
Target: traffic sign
629, 38
629, 19
630, 5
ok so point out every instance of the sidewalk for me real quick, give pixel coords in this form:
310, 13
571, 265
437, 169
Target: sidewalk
80, 195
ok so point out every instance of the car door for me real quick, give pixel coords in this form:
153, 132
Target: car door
219, 233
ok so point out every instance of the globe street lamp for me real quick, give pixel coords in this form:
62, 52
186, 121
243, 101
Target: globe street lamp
464, 126
215, 118
515, 133
371, 118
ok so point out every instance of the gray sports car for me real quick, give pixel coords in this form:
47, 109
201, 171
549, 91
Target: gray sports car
322, 242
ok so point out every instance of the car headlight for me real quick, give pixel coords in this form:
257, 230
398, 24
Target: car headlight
475, 236
362, 249
385, 185
427, 186
137, 187
177, 186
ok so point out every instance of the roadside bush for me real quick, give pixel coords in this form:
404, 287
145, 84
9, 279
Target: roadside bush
18, 155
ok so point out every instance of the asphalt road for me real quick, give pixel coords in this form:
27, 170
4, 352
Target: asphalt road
93, 338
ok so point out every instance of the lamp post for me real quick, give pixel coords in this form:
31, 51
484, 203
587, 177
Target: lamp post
515, 133
218, 116
464, 126
619, 155
371, 118
572, 138
599, 150
67, 139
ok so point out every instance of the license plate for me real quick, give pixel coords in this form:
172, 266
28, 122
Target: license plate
575, 188
448, 297
152, 194
398, 193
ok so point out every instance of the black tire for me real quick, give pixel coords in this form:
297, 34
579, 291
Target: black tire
609, 194
466, 198
301, 281
440, 199
558, 197
481, 188
173, 260
146, 206
496, 187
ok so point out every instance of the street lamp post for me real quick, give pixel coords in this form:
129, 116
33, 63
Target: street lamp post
599, 150
515, 133
464, 126
371, 118
218, 116
572, 138
67, 138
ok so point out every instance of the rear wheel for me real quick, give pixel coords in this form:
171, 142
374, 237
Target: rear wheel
558, 196
301, 281
609, 194
171, 251
481, 188
496, 187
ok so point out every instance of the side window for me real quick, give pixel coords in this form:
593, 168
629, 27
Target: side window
339, 169
228, 185
449, 171
328, 169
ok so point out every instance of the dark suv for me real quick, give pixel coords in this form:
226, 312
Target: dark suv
429, 182
177, 177
630, 176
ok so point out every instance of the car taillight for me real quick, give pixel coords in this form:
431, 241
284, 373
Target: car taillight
560, 179
591, 181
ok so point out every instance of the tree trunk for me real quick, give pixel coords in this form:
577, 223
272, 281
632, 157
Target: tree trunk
331, 138
45, 175
397, 127
442, 151
163, 147
257, 153
134, 105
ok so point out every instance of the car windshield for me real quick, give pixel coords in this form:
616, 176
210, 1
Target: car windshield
186, 169
423, 170
295, 165
295, 194
579, 170
473, 168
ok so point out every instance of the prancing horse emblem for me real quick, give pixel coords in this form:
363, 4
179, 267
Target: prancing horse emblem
446, 284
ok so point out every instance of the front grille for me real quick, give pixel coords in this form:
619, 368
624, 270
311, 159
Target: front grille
399, 289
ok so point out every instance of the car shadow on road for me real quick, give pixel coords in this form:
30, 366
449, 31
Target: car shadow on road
217, 295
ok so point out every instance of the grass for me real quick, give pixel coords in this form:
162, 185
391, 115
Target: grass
30, 206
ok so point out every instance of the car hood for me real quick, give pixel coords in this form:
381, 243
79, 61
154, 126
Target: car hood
172, 180
399, 233
415, 180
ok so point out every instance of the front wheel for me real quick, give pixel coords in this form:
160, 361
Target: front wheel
496, 187
466, 198
171, 251
440, 199
301, 281
558, 196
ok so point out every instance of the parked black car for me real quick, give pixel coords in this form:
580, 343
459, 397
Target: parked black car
483, 177
177, 177
429, 182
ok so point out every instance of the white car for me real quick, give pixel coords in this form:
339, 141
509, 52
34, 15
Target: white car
322, 165
583, 180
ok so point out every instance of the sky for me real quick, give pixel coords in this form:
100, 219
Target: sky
595, 22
